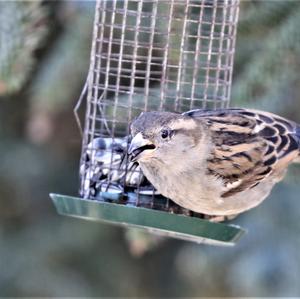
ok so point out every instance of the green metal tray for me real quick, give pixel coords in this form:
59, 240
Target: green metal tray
154, 221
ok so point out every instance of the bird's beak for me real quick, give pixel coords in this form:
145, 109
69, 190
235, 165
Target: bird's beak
138, 146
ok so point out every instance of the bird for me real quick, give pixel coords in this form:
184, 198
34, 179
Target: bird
219, 162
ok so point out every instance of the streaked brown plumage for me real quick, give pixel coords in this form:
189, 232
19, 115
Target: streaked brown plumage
216, 162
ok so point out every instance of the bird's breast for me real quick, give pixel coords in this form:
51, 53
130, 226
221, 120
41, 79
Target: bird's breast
191, 189
201, 193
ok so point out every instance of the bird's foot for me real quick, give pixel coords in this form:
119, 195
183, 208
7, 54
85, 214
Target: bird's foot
220, 218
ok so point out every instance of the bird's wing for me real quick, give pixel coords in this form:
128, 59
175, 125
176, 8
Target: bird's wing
248, 145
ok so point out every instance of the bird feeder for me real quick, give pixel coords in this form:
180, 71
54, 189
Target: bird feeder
147, 55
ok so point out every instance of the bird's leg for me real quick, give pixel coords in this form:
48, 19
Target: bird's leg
220, 218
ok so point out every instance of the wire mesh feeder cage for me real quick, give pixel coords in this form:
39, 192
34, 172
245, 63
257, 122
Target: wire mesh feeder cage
149, 55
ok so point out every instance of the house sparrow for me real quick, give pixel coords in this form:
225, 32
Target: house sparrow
215, 162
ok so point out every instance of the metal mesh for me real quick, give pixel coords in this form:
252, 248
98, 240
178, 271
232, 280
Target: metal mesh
150, 55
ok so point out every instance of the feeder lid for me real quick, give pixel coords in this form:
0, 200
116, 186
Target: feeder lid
155, 221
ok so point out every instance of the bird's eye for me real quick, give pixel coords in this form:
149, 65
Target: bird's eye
164, 134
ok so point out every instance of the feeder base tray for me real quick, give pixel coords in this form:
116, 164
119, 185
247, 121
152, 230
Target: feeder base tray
155, 221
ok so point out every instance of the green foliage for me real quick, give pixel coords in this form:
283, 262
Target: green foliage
23, 28
267, 57
63, 72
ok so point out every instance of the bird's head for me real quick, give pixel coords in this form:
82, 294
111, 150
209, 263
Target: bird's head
162, 136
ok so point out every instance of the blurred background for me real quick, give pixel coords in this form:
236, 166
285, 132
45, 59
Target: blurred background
44, 59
